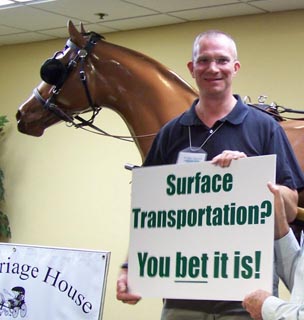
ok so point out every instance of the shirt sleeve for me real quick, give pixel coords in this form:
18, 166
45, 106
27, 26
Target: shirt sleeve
288, 257
277, 309
287, 251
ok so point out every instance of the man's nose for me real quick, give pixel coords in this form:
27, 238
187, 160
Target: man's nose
213, 65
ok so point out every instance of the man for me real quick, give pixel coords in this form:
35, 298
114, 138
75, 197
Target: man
223, 129
290, 265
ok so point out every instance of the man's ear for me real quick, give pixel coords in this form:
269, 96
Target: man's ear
237, 66
190, 67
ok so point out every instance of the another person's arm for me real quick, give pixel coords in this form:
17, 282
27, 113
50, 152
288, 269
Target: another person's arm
288, 259
291, 199
261, 304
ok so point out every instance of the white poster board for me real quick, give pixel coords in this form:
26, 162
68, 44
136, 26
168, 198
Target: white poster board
199, 231
51, 283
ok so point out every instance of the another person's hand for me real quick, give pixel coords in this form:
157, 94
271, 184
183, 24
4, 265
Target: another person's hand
122, 292
281, 224
224, 159
253, 303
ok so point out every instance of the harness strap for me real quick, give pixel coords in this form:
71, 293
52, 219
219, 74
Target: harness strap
48, 105
83, 79
72, 45
82, 54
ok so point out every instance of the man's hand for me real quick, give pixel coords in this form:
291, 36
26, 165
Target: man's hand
122, 293
253, 303
224, 159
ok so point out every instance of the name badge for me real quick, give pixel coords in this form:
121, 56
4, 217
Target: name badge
190, 155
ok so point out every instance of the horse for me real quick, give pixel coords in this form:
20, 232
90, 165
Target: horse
116, 79
91, 73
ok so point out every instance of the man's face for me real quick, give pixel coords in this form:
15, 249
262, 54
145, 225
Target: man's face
214, 65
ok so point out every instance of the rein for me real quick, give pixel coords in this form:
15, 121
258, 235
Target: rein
51, 106
281, 109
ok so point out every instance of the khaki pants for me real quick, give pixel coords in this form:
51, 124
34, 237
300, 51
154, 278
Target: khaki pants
184, 314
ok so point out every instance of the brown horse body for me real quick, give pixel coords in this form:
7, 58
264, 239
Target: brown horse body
141, 90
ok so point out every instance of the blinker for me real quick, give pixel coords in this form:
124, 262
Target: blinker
53, 72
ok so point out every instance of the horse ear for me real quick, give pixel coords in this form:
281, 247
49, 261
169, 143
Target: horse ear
75, 35
82, 28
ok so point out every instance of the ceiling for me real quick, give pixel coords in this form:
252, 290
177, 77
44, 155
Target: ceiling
47, 20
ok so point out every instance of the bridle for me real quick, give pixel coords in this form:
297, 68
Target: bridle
54, 72
61, 74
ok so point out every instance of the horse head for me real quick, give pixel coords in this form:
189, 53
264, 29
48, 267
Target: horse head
68, 72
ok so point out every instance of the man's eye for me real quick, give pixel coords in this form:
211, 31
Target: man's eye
218, 61
204, 60
222, 61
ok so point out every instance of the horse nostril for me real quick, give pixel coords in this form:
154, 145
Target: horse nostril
18, 115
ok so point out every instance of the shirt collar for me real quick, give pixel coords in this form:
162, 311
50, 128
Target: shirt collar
236, 116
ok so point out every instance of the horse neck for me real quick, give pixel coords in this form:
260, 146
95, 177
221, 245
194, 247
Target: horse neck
142, 91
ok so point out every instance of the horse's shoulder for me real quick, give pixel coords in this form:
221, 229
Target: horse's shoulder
297, 124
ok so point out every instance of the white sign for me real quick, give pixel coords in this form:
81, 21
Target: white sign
51, 283
199, 231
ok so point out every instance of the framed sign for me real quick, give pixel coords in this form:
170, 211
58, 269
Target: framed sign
52, 283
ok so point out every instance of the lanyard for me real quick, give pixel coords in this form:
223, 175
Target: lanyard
212, 132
